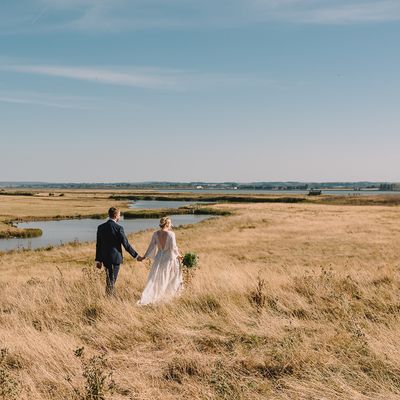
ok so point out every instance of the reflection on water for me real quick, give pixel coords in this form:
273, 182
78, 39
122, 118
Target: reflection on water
84, 230
156, 204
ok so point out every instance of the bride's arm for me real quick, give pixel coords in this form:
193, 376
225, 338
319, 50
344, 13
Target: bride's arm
152, 249
175, 247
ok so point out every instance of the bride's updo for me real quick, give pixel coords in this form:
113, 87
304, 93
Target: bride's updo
165, 222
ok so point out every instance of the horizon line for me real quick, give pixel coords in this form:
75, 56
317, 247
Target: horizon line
193, 182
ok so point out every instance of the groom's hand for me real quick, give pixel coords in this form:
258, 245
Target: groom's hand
139, 258
99, 264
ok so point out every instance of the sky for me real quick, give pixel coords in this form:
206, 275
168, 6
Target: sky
199, 90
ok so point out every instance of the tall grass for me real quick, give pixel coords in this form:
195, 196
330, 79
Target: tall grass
294, 301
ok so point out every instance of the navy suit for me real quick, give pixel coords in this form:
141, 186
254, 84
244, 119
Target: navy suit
110, 239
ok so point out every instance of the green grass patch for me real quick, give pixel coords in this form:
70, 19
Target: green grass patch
4, 193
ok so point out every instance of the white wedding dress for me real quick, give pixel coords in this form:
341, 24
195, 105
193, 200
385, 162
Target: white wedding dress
165, 277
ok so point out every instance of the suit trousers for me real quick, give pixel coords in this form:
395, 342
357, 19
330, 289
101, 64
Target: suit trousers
111, 277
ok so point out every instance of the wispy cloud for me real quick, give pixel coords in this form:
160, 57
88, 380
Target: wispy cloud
144, 78
40, 15
139, 14
130, 15
352, 12
47, 100
140, 78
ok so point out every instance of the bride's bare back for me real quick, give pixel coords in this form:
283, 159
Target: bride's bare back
162, 238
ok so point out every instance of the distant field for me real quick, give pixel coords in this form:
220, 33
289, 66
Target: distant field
46, 204
292, 301
41, 206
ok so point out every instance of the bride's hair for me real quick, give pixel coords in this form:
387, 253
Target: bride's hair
164, 221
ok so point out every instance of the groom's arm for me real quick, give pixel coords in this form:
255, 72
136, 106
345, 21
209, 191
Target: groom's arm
125, 243
98, 247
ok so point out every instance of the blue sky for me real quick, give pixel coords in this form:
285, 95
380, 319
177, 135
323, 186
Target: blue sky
188, 90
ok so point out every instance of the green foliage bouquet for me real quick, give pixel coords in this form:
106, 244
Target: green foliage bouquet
190, 260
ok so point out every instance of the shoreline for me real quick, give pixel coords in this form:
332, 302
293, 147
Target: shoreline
28, 233
93, 200
90, 242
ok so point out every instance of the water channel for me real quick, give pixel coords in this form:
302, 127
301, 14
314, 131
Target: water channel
84, 230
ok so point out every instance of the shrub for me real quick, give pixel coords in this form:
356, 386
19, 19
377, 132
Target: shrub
257, 296
98, 377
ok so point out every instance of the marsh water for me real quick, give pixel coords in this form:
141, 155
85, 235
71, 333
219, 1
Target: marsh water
83, 230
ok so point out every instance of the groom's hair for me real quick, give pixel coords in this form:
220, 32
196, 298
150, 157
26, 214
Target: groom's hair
113, 212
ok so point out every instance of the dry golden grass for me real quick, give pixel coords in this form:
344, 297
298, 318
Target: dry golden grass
296, 301
44, 206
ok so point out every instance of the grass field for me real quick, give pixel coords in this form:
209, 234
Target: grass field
291, 301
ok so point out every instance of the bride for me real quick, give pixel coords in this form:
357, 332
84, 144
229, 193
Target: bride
165, 277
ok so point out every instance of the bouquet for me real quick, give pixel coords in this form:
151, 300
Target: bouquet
190, 260
189, 263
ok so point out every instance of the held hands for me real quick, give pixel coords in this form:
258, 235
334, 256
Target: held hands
99, 264
140, 258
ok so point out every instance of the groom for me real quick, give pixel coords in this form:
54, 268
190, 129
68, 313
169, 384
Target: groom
110, 237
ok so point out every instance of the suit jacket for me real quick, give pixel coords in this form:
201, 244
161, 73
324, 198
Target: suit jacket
110, 239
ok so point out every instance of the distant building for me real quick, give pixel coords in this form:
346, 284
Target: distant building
390, 187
